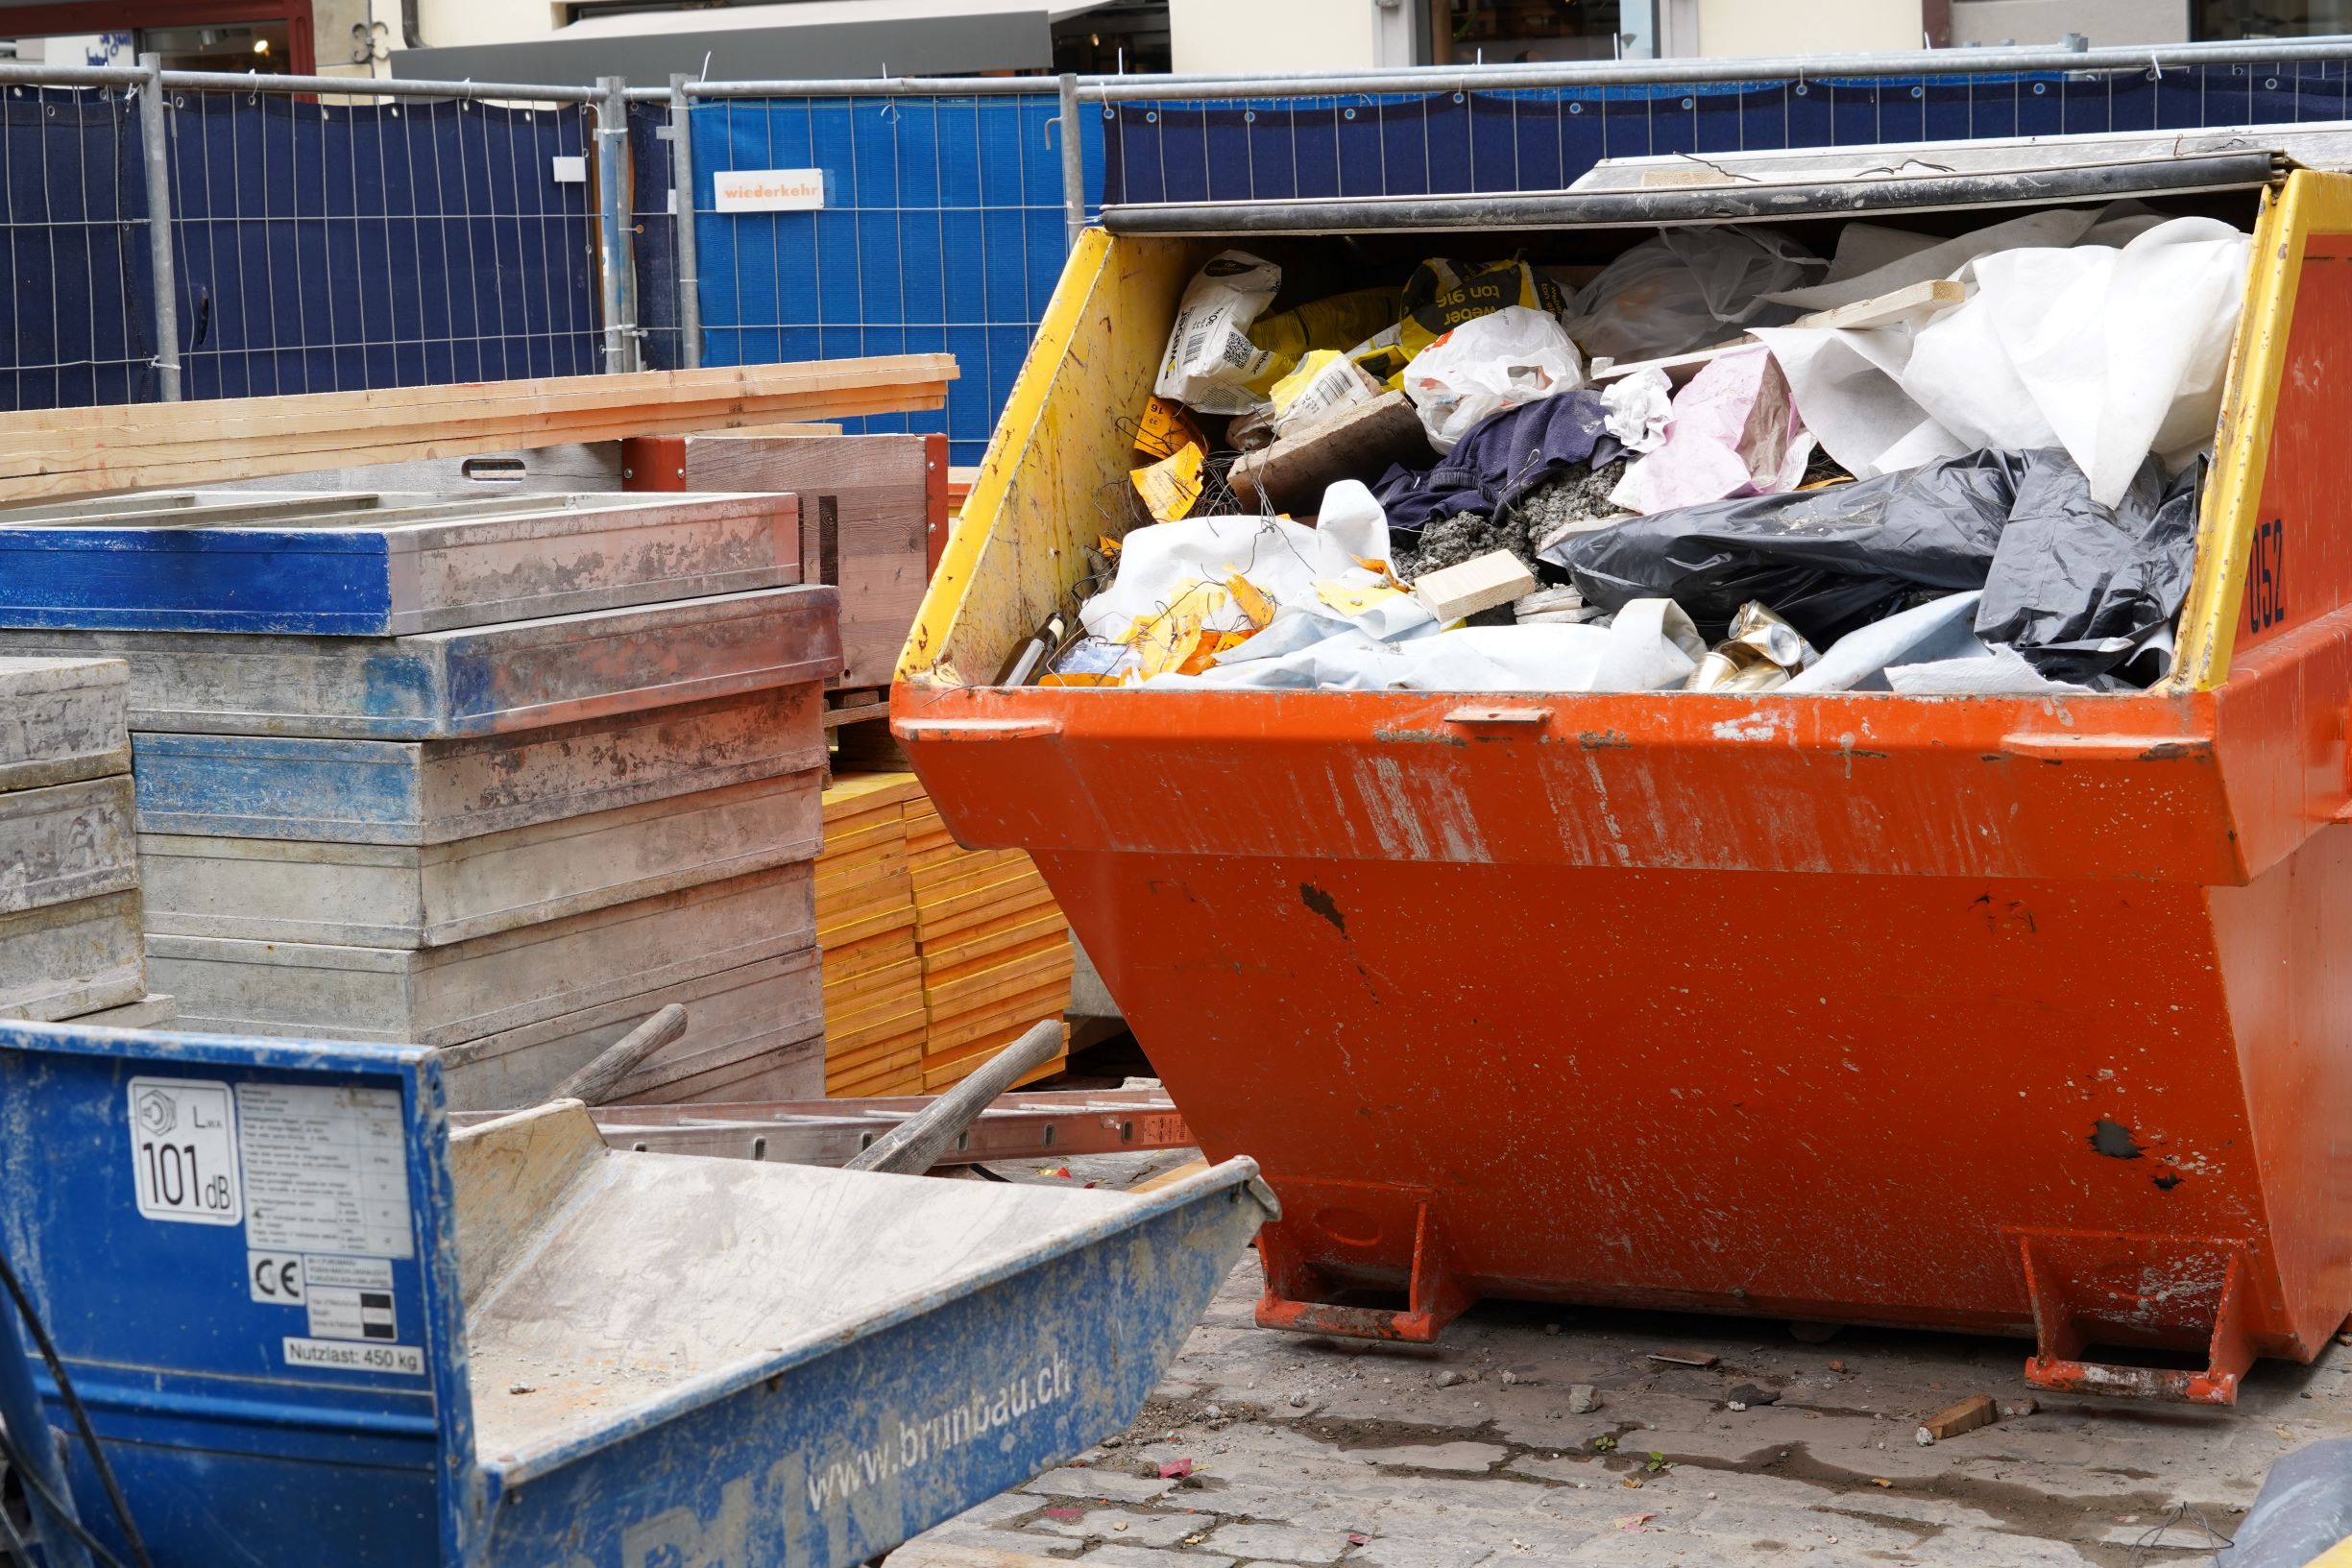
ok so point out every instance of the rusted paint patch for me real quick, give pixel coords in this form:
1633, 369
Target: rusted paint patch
1418, 737
1603, 740
2113, 1140
1324, 905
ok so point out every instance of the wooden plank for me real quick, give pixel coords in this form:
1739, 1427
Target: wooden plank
134, 446
1679, 368
1363, 440
1912, 305
865, 504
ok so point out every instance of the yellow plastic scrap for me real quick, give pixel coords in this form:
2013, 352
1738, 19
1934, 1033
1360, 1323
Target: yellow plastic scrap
1165, 429
1251, 600
1170, 488
1109, 546
1353, 599
1170, 638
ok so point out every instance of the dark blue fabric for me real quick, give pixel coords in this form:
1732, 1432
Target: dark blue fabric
327, 248
1499, 460
73, 239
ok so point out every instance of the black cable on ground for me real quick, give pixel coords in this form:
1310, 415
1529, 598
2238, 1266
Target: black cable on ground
73, 1404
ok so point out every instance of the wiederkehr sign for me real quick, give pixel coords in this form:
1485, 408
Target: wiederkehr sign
769, 190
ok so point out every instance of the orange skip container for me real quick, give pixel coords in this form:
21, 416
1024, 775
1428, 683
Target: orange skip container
2029, 1016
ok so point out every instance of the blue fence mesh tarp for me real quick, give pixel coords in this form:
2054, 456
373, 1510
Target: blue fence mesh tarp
942, 230
327, 248
73, 239
1542, 139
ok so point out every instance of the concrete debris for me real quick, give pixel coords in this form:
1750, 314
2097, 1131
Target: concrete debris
1448, 1378
1575, 503
1583, 1399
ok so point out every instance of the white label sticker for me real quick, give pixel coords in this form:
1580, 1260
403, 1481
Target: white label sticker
339, 1313
275, 1279
326, 1171
360, 1273
348, 1356
569, 171
769, 190
183, 1151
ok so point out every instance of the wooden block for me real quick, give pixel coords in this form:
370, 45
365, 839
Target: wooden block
1356, 443
1908, 305
865, 527
1683, 1358
1967, 1416
1481, 583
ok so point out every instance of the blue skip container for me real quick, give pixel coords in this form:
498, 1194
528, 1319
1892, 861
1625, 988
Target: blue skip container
311, 1324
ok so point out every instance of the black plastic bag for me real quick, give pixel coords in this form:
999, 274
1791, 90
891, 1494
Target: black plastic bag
2076, 588
1827, 561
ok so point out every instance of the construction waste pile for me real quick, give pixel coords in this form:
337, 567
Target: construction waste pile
1720, 463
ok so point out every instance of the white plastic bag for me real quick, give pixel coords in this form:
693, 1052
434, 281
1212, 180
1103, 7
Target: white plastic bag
1211, 365
1686, 289
1512, 356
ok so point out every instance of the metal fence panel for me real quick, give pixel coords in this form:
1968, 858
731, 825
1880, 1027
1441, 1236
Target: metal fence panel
327, 248
1540, 139
73, 205
942, 229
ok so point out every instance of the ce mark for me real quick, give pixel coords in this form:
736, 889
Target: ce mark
275, 1278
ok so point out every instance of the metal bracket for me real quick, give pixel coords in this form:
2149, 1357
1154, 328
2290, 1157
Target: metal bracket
1435, 1296
2060, 1336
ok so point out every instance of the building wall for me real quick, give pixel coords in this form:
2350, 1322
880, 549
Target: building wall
1806, 27
1237, 36
451, 23
2046, 21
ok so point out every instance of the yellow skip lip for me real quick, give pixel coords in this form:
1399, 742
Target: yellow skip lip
2311, 203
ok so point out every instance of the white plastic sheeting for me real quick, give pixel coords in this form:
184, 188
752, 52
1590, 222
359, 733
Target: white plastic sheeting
2110, 353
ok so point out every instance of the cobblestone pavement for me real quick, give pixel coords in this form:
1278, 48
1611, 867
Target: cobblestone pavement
1315, 1451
